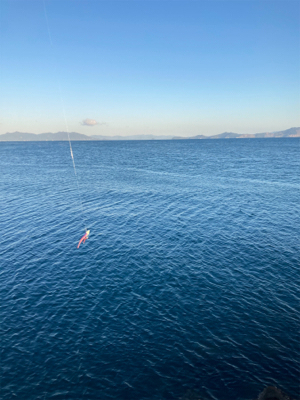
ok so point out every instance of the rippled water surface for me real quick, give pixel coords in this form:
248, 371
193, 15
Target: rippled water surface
189, 280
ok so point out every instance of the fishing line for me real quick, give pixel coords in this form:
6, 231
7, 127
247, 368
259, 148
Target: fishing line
65, 120
72, 156
88, 271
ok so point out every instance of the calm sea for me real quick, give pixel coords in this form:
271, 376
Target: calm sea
189, 280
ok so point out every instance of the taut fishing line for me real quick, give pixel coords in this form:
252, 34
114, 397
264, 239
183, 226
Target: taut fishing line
65, 121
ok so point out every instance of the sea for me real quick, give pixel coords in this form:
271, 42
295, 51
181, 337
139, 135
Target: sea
187, 288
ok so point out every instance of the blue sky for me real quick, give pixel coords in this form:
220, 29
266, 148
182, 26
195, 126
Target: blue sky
149, 67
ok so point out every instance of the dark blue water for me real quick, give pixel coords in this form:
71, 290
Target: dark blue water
189, 280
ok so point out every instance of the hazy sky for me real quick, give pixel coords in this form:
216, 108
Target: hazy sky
140, 67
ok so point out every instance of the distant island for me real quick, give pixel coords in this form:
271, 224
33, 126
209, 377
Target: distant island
74, 136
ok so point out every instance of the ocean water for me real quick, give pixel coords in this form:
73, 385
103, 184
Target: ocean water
189, 280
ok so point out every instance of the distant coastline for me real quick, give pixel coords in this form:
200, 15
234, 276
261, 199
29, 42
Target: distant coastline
75, 136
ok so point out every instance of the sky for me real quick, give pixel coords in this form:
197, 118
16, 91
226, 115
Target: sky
177, 68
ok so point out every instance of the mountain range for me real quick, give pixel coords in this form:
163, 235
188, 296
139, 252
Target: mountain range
74, 136
292, 132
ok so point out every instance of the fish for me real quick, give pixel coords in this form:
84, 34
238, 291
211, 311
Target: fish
84, 237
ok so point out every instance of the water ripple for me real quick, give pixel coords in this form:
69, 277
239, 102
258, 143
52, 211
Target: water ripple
189, 278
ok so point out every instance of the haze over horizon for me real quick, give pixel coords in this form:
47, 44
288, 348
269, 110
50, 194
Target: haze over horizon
158, 67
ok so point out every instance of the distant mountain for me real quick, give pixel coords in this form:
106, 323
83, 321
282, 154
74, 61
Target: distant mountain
292, 132
74, 136
32, 137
